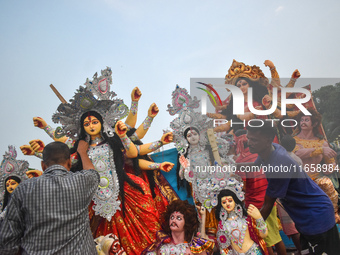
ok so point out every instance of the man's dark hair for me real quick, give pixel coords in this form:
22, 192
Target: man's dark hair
56, 153
288, 142
266, 129
240, 132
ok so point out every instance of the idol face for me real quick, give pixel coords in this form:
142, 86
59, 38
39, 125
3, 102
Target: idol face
228, 203
193, 137
243, 85
11, 185
176, 222
306, 123
92, 126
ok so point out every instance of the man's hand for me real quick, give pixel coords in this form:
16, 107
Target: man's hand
82, 147
120, 128
39, 122
153, 110
136, 94
167, 138
166, 166
82, 150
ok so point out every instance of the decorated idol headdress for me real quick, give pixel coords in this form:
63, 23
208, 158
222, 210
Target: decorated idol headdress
240, 70
96, 96
10, 166
234, 183
183, 105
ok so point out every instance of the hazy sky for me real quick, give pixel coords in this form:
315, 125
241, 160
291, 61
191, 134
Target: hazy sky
150, 44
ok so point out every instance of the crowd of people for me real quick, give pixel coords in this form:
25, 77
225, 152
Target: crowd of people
100, 193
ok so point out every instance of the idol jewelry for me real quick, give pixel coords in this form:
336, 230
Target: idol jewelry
97, 140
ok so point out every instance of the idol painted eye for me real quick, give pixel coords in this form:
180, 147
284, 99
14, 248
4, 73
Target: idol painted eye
86, 124
179, 218
172, 217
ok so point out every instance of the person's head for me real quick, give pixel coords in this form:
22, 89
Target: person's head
180, 216
91, 124
260, 138
192, 135
11, 183
240, 132
307, 122
56, 153
288, 142
227, 199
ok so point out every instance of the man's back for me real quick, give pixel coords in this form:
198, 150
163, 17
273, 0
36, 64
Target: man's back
305, 202
51, 212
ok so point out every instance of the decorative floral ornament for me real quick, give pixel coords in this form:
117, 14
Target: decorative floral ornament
100, 87
96, 96
10, 166
182, 99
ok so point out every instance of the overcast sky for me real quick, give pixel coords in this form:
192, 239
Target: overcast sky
150, 44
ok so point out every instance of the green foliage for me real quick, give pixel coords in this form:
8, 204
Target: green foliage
327, 102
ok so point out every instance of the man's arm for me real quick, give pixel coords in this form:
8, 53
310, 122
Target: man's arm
82, 150
11, 229
267, 206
